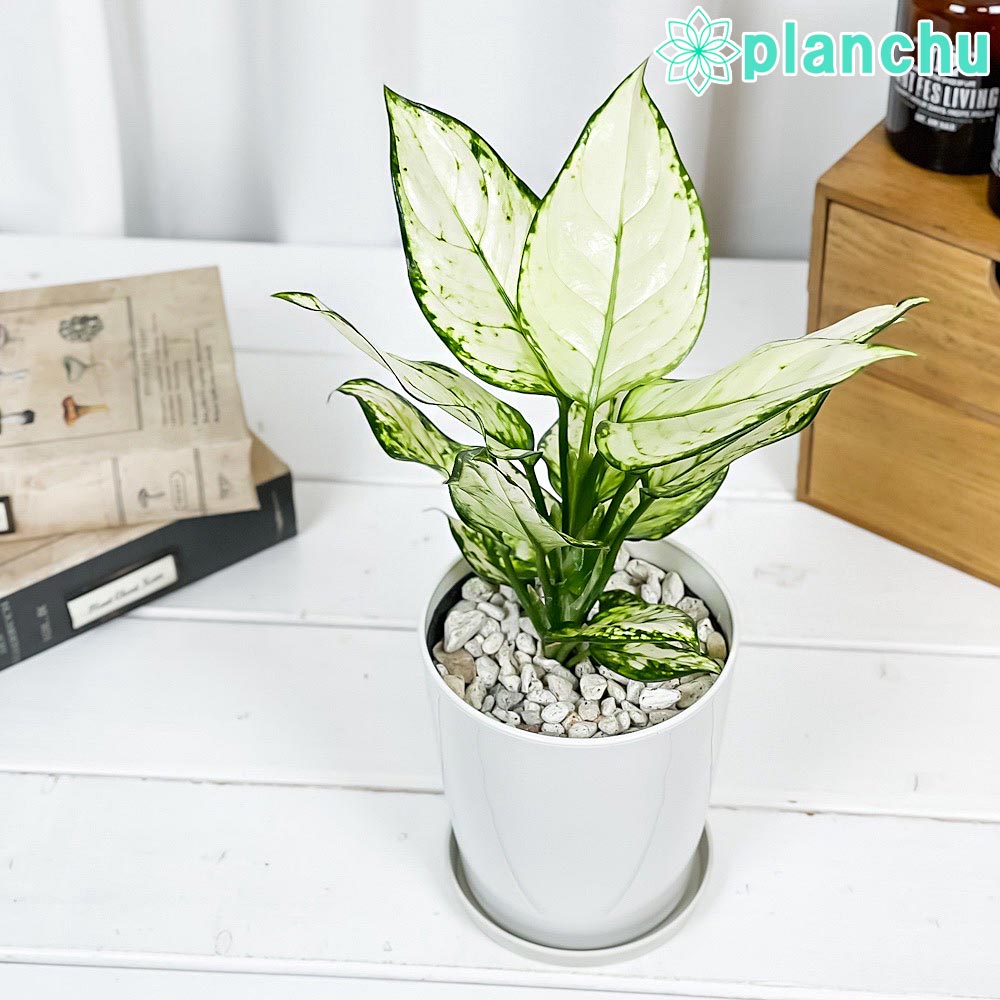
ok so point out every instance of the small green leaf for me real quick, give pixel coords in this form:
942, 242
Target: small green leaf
464, 217
489, 500
400, 428
436, 384
663, 423
614, 278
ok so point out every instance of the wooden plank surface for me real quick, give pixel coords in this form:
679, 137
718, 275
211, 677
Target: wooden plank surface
812, 730
354, 883
231, 781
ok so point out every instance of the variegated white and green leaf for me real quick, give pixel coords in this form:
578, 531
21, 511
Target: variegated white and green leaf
860, 327
464, 217
666, 514
614, 279
433, 383
649, 664
625, 620
400, 428
485, 553
664, 423
675, 480
610, 479
489, 500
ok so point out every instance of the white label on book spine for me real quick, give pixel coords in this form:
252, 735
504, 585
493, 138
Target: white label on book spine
122, 592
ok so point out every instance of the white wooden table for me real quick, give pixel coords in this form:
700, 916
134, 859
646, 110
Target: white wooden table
220, 795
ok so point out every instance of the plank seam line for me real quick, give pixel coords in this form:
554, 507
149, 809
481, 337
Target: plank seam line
734, 804
584, 979
157, 613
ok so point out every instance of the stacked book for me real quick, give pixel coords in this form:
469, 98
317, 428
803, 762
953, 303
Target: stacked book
126, 466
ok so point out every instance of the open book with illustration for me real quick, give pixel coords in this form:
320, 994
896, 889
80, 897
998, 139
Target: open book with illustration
119, 406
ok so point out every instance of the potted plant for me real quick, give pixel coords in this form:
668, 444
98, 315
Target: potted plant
578, 689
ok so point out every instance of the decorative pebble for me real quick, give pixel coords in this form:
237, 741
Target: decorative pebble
694, 607
511, 682
593, 686
460, 627
658, 698
672, 589
715, 646
491, 655
491, 610
703, 630
659, 715
492, 643
616, 691
643, 571
459, 664
475, 693
609, 725
477, 589
488, 670
525, 643
559, 686
637, 716
526, 625
621, 581
692, 691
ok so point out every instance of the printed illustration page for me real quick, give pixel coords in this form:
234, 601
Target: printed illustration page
119, 405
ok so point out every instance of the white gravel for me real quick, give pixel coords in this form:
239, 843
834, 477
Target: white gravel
491, 656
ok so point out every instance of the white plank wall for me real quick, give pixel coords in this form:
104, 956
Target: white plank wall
224, 794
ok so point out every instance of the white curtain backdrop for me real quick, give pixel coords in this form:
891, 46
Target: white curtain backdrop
263, 119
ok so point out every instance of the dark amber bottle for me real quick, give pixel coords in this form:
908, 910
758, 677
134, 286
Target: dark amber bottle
946, 122
994, 194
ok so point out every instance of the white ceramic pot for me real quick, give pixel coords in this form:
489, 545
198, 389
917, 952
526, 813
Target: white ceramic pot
580, 843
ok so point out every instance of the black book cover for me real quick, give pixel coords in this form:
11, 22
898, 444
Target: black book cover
97, 576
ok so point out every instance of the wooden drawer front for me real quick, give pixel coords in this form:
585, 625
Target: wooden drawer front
909, 468
957, 334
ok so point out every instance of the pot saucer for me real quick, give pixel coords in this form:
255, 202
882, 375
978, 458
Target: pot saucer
666, 928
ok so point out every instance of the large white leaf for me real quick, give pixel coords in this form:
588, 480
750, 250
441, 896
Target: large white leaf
400, 428
676, 479
464, 217
487, 499
671, 421
684, 478
430, 382
614, 279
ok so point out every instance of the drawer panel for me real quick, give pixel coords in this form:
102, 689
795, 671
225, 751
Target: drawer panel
956, 335
907, 467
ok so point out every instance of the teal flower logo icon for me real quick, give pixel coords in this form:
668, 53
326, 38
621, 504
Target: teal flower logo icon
698, 51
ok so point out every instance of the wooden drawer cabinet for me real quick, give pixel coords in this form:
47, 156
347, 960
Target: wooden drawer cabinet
911, 448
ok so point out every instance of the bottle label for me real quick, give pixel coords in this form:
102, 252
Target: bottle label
947, 103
